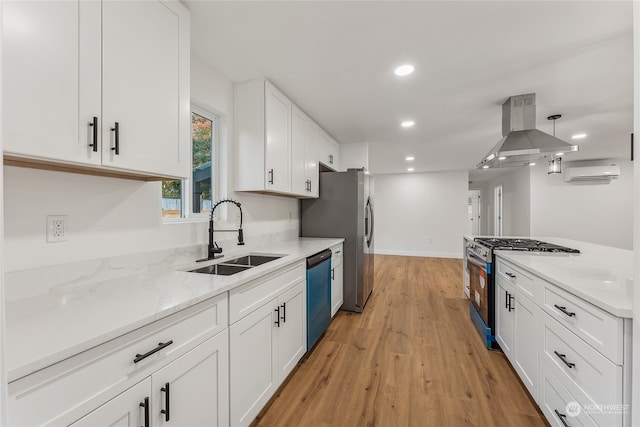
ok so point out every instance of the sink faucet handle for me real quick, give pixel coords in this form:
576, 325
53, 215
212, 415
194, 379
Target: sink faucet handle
240, 237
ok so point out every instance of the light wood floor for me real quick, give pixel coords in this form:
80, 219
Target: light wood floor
411, 359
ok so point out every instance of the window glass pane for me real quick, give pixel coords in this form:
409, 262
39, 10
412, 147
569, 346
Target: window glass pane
202, 133
172, 198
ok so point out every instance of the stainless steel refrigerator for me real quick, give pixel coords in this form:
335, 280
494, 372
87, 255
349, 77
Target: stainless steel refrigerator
345, 209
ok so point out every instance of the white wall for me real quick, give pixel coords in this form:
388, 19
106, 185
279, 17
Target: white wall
515, 203
595, 213
422, 214
109, 216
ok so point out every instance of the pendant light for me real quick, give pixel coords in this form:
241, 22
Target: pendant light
555, 164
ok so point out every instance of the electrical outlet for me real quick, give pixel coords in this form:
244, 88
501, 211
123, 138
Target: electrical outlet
57, 228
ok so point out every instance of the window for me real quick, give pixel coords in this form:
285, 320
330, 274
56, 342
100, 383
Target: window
194, 196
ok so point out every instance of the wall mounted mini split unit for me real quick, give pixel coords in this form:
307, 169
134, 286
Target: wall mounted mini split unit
599, 174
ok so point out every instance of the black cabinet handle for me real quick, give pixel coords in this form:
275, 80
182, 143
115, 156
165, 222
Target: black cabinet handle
511, 307
94, 125
506, 299
564, 360
116, 129
277, 322
333, 275
160, 346
145, 405
513, 276
270, 176
564, 310
284, 312
331, 158
165, 411
561, 417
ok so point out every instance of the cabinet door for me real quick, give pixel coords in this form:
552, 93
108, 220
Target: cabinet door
292, 332
124, 410
526, 342
334, 154
505, 318
278, 140
253, 374
311, 158
336, 289
323, 148
299, 180
145, 53
51, 79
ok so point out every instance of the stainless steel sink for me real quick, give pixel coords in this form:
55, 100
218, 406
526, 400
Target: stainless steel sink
236, 265
253, 260
221, 269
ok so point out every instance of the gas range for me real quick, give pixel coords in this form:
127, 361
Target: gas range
516, 244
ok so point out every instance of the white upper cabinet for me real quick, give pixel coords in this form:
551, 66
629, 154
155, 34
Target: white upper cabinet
328, 151
304, 155
262, 120
73, 69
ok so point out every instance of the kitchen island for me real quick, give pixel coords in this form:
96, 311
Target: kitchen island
564, 323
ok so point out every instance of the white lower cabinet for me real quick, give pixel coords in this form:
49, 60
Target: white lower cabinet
517, 332
194, 390
337, 291
125, 410
573, 357
106, 384
265, 346
191, 391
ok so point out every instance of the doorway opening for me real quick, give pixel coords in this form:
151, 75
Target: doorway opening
473, 213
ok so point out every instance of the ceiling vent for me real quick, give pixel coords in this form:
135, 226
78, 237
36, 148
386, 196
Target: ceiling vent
601, 174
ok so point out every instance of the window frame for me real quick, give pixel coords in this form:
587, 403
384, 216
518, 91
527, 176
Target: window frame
187, 184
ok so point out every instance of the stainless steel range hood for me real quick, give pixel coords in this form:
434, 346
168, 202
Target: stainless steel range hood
521, 143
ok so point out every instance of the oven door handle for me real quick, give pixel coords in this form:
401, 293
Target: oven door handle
473, 259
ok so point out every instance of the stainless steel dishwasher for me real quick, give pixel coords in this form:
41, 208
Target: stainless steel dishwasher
318, 296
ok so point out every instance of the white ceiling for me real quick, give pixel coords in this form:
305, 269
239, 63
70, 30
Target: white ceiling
335, 60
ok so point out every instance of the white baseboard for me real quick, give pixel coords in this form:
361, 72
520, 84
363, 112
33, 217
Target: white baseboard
419, 253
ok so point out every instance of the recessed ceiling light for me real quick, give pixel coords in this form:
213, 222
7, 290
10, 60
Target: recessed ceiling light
410, 169
485, 167
559, 154
409, 158
407, 123
579, 136
532, 164
502, 158
404, 70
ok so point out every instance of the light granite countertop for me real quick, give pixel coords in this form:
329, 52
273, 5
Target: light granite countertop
48, 327
601, 275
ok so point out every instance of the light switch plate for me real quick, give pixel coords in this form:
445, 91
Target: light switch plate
57, 228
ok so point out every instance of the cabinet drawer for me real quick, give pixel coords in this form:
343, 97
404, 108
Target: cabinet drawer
554, 399
589, 376
519, 278
600, 329
247, 298
64, 391
336, 255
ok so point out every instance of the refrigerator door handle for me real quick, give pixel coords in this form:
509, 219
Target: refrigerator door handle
368, 221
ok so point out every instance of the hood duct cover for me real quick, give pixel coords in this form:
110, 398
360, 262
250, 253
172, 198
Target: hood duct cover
521, 143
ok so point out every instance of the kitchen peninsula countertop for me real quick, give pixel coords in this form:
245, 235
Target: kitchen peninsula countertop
601, 275
44, 329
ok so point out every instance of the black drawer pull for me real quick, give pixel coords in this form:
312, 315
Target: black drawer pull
561, 417
511, 307
513, 276
277, 322
564, 310
165, 411
160, 346
94, 125
270, 180
116, 129
284, 312
564, 360
145, 405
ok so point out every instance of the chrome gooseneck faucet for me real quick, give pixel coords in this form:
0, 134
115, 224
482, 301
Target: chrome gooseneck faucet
213, 250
